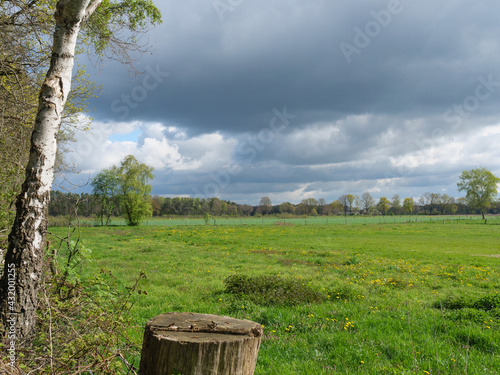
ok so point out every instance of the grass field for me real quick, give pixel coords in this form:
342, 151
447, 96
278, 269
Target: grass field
393, 298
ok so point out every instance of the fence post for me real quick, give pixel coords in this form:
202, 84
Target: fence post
198, 344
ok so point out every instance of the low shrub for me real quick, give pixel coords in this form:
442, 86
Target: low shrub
488, 302
453, 303
272, 290
485, 303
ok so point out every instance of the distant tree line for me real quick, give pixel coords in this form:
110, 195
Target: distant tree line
124, 191
92, 205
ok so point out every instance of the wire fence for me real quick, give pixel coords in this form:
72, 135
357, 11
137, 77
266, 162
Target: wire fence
321, 220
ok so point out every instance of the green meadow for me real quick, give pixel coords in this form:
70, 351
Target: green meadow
373, 297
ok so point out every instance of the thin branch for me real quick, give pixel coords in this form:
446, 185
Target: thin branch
50, 331
130, 367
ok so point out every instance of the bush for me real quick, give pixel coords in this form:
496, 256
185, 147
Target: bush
272, 290
453, 303
486, 303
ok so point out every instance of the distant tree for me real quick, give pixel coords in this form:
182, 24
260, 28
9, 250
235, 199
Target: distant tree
461, 205
425, 202
232, 209
245, 209
367, 202
408, 205
308, 205
495, 208
156, 205
324, 208
215, 206
447, 204
344, 202
396, 204
337, 207
481, 187
265, 205
350, 201
135, 190
287, 208
223, 208
435, 203
301, 209
106, 188
383, 205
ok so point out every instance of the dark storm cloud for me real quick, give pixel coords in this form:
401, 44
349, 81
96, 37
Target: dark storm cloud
392, 94
230, 75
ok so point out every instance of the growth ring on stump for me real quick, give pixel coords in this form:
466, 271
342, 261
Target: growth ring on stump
199, 344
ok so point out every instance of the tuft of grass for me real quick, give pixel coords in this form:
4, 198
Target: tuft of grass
272, 290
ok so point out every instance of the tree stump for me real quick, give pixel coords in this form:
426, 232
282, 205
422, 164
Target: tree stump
199, 344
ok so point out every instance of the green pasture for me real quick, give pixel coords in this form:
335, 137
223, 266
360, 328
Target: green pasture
395, 297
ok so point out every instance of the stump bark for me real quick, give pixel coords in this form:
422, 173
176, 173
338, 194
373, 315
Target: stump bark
199, 344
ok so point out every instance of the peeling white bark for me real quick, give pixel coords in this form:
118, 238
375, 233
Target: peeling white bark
27, 239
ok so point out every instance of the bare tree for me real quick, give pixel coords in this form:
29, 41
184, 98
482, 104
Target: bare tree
367, 201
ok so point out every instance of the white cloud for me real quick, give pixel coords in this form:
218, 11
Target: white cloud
323, 160
162, 147
159, 154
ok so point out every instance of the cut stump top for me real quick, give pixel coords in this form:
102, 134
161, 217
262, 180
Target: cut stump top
185, 324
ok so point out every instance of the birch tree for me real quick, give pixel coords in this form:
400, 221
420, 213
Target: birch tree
24, 258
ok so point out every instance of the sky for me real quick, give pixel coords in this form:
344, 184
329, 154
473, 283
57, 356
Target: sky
304, 99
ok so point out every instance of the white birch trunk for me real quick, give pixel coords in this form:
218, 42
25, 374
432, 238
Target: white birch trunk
24, 257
